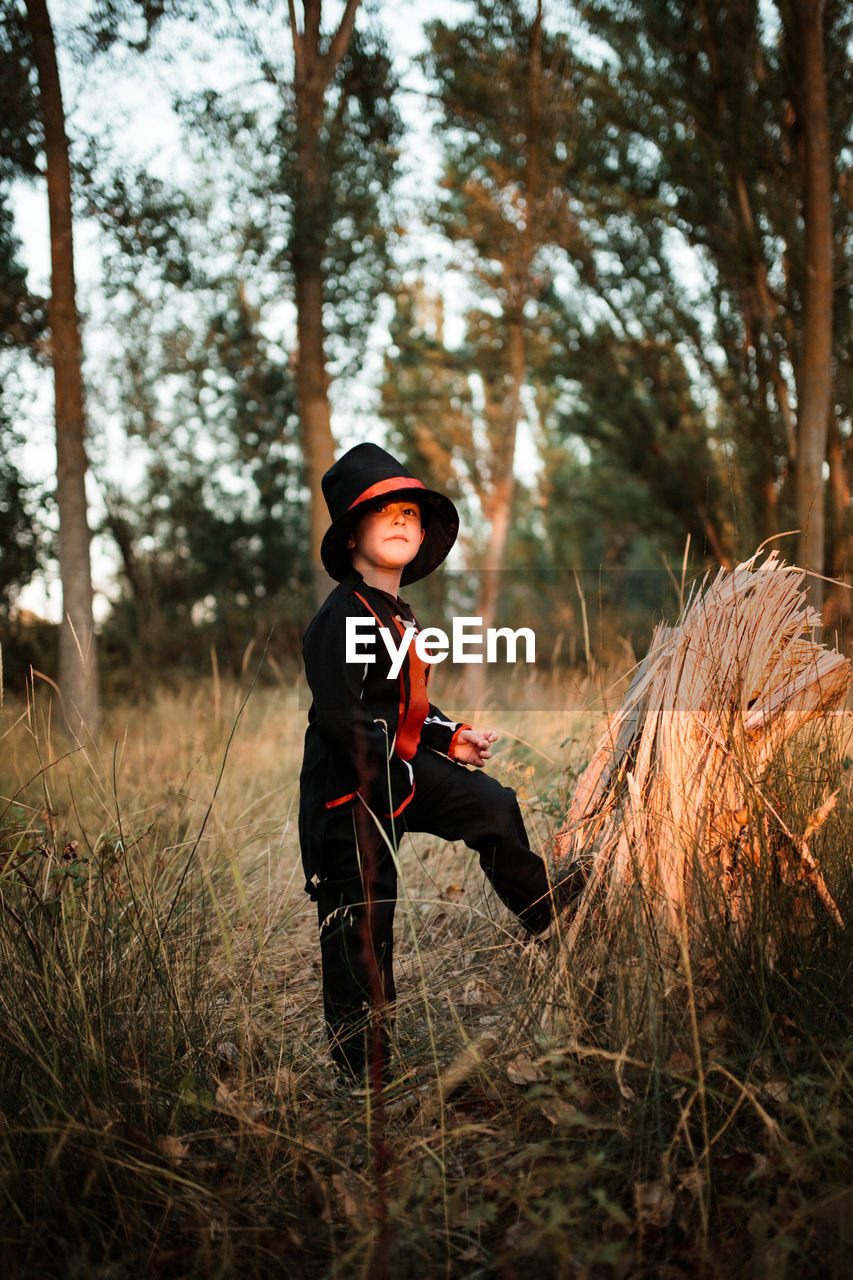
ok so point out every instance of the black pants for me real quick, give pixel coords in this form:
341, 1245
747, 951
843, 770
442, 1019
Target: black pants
357, 892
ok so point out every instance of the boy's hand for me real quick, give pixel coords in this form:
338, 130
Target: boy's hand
473, 746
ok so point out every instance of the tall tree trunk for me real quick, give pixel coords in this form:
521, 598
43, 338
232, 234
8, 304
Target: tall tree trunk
78, 669
814, 376
312, 388
313, 72
502, 489
503, 457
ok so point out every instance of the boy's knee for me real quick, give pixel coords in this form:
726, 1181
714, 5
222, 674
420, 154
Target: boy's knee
504, 800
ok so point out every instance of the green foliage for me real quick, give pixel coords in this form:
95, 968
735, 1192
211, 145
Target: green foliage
636, 411
203, 567
21, 541
150, 225
211, 538
201, 372
497, 109
132, 22
691, 149
615, 365
20, 125
22, 320
22, 314
426, 394
348, 219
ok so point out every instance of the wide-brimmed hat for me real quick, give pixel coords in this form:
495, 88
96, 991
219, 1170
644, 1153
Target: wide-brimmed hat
363, 476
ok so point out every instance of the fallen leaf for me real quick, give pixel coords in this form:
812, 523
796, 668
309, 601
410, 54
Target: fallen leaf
348, 1202
559, 1112
284, 1083
694, 1181
776, 1089
171, 1147
522, 1071
520, 1236
714, 1025
654, 1202
226, 1099
227, 1055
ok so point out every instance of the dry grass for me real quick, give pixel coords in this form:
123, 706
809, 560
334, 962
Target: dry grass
167, 1106
675, 790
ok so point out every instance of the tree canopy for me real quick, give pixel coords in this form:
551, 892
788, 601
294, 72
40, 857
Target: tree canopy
622, 352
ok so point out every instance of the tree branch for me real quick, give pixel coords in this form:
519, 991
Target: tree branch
338, 45
296, 40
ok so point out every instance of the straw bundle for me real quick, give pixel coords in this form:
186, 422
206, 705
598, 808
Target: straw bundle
674, 787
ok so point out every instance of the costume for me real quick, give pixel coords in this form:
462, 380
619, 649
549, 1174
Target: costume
378, 761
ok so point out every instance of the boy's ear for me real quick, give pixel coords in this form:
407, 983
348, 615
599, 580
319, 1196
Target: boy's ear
351, 542
423, 533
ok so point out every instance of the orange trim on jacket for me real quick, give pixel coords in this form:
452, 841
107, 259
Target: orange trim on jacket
401, 807
451, 750
333, 804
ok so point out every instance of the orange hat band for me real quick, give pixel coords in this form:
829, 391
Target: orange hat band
386, 486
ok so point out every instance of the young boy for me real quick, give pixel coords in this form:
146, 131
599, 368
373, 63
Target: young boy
380, 759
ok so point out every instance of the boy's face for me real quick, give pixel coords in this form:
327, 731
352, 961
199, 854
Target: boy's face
388, 537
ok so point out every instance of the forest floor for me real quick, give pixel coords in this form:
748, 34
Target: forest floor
167, 1106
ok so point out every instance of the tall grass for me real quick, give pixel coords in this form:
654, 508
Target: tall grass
167, 1107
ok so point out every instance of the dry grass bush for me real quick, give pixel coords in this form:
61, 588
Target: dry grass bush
675, 787
166, 1106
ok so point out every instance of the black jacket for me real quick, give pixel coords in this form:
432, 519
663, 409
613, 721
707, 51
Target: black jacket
354, 718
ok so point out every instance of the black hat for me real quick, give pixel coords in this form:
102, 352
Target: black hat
363, 476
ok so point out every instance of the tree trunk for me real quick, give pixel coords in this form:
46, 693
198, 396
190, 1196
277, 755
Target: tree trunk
313, 71
503, 479
312, 387
503, 454
78, 669
814, 376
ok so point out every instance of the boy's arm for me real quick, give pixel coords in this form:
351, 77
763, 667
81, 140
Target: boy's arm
345, 721
440, 732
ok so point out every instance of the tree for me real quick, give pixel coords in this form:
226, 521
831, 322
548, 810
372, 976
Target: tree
203, 276
20, 540
803, 25
555, 336
22, 324
212, 545
327, 165
505, 111
712, 126
78, 667
212, 539
314, 69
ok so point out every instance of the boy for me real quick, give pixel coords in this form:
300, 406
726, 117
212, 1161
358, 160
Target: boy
380, 759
